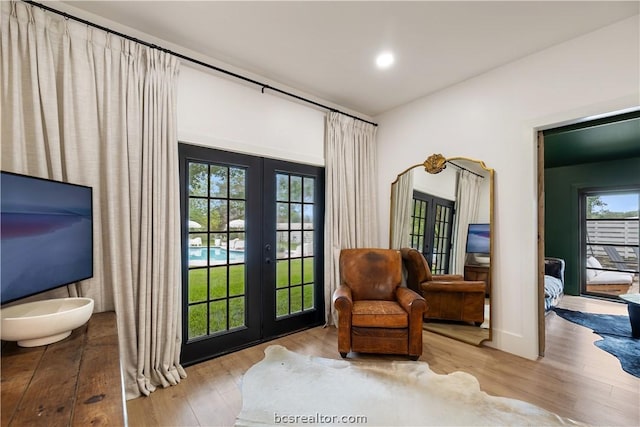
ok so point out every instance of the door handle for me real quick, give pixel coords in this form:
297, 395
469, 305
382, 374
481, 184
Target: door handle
267, 260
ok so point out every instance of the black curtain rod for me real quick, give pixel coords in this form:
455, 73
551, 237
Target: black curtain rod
195, 61
463, 168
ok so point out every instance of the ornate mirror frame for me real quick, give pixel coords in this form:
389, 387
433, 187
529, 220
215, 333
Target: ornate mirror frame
434, 165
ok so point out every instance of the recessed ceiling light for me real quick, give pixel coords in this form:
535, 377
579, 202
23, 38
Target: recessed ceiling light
384, 60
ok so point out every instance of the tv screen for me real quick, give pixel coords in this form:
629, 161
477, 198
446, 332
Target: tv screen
478, 239
46, 238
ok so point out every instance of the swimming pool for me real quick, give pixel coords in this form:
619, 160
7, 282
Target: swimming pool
217, 256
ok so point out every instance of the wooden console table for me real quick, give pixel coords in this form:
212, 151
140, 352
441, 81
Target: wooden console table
478, 272
74, 382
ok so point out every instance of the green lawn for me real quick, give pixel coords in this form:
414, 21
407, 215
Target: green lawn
289, 298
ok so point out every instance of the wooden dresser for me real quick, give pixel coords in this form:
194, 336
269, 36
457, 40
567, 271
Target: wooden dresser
74, 382
478, 272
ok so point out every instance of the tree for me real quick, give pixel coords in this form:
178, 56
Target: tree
596, 208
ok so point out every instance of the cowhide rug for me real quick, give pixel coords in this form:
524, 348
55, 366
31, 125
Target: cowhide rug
289, 388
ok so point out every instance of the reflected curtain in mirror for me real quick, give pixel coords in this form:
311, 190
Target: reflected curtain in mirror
402, 205
467, 203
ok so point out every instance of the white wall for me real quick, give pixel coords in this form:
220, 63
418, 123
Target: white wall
217, 112
494, 117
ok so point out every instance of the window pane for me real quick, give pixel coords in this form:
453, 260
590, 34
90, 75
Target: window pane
218, 181
236, 280
308, 297
238, 180
236, 241
236, 312
197, 285
282, 240
198, 174
197, 215
309, 189
296, 188
236, 215
296, 299
217, 316
308, 217
295, 249
296, 271
217, 215
295, 212
307, 247
217, 282
282, 213
197, 320
282, 274
282, 302
308, 269
282, 188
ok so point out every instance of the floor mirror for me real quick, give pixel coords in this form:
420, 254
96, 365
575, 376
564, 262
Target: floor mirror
443, 208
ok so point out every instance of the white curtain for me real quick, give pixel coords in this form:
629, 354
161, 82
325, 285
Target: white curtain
87, 107
401, 207
350, 207
467, 202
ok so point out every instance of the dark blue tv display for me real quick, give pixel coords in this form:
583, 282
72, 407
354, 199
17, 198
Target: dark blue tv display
46, 235
478, 239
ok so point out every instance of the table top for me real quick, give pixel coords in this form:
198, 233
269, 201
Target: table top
631, 298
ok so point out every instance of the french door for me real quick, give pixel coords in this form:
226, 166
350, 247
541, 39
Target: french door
432, 226
252, 250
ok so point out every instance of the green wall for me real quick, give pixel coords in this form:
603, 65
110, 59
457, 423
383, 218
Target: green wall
562, 220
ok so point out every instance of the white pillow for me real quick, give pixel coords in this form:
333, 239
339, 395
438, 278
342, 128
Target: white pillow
593, 263
591, 274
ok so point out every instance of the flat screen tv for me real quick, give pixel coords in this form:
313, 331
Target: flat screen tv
46, 235
478, 239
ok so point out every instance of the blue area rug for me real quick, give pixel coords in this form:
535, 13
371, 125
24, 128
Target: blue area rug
616, 336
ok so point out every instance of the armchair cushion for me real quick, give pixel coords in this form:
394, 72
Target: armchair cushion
379, 314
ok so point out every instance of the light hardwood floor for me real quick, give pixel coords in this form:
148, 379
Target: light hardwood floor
575, 379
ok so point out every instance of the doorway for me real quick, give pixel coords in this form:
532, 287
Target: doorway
252, 250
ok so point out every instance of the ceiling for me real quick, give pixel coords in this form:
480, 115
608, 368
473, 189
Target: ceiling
327, 49
611, 138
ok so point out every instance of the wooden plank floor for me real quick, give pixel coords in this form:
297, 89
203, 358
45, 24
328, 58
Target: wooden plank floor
575, 379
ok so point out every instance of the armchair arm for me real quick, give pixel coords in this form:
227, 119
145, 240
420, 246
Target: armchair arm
410, 301
343, 302
446, 277
342, 299
455, 286
415, 305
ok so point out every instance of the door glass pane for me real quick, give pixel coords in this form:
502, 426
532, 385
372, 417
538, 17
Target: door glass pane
611, 243
216, 294
295, 239
282, 188
309, 189
198, 173
218, 181
197, 320
237, 178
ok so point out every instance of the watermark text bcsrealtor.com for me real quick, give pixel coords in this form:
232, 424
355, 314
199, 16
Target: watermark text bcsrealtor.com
318, 418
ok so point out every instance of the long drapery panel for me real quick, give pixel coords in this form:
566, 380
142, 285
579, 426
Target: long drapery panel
467, 205
351, 201
85, 106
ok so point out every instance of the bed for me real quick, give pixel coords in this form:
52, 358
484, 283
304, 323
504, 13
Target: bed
553, 282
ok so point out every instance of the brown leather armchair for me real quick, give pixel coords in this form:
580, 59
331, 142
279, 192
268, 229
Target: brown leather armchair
448, 296
375, 313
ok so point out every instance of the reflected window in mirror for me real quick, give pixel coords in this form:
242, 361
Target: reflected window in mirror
431, 229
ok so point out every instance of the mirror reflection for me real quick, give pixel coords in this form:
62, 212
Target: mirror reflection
442, 209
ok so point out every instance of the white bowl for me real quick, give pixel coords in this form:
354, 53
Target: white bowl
44, 322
